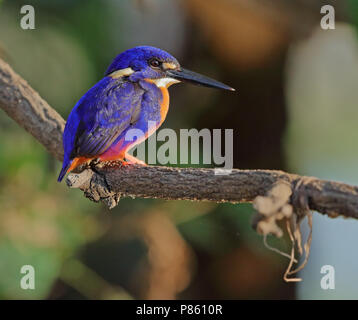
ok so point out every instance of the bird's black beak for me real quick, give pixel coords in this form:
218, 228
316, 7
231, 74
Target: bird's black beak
196, 78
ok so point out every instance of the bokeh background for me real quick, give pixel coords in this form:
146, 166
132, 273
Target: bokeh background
296, 110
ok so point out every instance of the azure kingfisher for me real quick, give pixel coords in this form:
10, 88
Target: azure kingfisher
132, 95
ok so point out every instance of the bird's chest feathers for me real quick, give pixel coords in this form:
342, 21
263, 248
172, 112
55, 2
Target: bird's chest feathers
159, 97
164, 105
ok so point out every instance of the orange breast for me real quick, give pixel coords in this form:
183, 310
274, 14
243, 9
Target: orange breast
164, 107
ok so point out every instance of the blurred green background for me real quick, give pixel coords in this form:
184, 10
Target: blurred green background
296, 110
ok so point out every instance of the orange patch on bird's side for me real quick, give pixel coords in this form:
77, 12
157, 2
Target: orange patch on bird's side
114, 152
111, 156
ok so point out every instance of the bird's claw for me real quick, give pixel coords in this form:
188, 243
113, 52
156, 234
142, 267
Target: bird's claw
133, 160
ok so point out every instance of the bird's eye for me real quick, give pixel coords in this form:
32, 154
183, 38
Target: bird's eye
155, 63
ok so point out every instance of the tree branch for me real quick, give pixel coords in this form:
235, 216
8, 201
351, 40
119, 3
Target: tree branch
30, 111
112, 181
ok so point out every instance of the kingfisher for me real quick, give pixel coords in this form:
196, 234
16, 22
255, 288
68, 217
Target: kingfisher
132, 95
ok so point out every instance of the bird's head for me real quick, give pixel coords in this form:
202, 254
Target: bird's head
157, 66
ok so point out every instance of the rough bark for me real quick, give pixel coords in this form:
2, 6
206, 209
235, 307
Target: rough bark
110, 183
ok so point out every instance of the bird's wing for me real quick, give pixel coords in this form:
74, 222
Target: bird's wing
104, 113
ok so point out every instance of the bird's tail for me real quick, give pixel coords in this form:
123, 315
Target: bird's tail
64, 170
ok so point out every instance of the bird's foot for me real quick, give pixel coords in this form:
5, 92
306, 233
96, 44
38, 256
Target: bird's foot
94, 162
132, 160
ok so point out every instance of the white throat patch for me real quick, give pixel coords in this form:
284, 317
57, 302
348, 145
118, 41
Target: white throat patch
164, 82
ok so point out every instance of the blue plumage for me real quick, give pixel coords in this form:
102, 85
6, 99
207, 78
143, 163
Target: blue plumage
132, 94
104, 115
